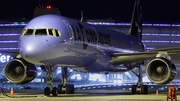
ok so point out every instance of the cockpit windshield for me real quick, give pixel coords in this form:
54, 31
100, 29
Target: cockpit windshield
51, 32
29, 32
41, 32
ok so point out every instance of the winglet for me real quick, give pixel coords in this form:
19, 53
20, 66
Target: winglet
136, 22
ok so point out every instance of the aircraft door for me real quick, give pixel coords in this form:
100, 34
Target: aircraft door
71, 33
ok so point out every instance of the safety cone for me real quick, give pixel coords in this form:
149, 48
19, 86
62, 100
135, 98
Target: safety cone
11, 91
157, 93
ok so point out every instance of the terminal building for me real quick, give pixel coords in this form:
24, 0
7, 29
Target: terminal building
154, 36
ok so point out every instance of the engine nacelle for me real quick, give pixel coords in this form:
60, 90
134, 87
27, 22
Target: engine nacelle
161, 71
18, 71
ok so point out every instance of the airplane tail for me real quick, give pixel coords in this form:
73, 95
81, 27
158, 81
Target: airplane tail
136, 22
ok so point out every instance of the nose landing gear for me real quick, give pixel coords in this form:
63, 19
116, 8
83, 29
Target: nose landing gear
49, 76
62, 88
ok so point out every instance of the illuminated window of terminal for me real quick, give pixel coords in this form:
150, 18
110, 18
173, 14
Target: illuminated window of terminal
15, 22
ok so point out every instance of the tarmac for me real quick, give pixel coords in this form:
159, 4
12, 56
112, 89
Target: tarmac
88, 95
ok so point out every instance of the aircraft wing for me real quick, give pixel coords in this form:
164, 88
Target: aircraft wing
122, 58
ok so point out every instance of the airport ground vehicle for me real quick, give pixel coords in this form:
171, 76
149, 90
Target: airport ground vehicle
172, 92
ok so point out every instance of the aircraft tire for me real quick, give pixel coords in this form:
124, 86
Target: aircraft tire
54, 91
144, 89
134, 89
72, 88
68, 89
47, 91
60, 89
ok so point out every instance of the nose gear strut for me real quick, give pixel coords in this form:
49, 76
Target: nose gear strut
50, 76
62, 88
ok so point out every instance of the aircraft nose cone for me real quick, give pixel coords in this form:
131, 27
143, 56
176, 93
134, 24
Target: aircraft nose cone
32, 48
29, 48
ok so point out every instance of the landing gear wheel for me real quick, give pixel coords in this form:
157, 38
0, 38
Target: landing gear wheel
72, 88
144, 89
47, 91
69, 88
54, 91
139, 88
60, 89
134, 89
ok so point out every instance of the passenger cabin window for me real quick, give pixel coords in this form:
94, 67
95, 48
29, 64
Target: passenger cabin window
29, 32
41, 32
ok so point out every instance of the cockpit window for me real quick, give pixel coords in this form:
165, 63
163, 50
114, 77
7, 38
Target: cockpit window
29, 32
51, 32
40, 32
54, 32
57, 33
22, 33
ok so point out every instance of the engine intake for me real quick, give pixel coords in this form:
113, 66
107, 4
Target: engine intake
18, 71
161, 71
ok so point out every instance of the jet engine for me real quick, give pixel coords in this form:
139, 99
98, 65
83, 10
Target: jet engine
161, 71
18, 71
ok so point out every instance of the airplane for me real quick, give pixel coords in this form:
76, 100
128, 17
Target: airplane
52, 41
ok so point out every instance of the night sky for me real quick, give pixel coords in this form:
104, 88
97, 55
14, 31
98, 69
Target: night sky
155, 11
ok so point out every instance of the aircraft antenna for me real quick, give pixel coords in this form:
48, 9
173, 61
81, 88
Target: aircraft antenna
81, 16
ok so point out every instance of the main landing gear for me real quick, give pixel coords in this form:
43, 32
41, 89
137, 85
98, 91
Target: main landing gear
62, 88
139, 88
65, 87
